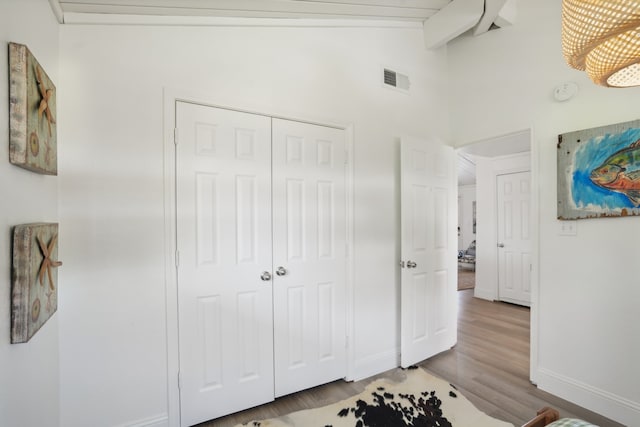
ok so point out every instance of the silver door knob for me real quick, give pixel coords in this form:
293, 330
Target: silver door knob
266, 276
281, 271
501, 245
411, 264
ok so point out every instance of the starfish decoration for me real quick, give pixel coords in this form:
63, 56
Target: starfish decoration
44, 103
47, 262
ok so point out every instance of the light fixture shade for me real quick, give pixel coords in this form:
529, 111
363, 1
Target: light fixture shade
602, 37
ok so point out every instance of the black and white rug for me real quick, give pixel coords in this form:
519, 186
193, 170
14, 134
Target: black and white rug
420, 400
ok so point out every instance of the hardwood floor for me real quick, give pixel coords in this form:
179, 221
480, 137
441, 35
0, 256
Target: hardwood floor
489, 365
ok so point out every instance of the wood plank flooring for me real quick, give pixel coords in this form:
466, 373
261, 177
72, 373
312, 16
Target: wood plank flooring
489, 365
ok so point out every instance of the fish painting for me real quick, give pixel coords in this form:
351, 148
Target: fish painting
599, 172
620, 172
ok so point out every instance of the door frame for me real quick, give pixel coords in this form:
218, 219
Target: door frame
534, 167
170, 98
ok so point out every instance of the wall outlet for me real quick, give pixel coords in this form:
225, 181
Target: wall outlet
567, 228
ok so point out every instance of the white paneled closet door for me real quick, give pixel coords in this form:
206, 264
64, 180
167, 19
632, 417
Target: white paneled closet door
309, 214
224, 239
261, 239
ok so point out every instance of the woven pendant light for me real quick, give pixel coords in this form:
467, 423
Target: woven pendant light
602, 37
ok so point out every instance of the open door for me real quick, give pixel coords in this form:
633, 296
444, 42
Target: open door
429, 267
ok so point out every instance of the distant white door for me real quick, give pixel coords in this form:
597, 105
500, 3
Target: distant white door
429, 247
309, 246
223, 192
514, 237
461, 222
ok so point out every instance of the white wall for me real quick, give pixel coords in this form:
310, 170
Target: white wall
503, 82
29, 373
466, 197
113, 344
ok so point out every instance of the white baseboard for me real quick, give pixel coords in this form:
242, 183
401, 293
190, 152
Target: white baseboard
484, 294
375, 364
160, 420
600, 401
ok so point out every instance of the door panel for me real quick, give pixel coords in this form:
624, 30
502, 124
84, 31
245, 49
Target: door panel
514, 240
429, 212
310, 245
223, 193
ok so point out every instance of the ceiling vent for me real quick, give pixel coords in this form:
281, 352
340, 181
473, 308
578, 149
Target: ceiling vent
396, 80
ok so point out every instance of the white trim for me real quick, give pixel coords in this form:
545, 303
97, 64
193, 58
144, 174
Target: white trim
376, 363
170, 98
257, 110
350, 270
608, 404
79, 18
482, 294
171, 284
535, 259
160, 420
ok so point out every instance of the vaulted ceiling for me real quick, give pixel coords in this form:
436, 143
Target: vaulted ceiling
404, 10
442, 20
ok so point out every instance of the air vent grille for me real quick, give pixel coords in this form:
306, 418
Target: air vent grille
390, 77
396, 80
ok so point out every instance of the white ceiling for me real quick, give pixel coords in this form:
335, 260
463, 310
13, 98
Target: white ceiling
398, 10
441, 20
513, 143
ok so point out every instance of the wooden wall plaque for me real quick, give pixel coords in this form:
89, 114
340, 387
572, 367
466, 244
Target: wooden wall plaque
33, 142
34, 291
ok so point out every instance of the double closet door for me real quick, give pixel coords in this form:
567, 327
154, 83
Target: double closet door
261, 239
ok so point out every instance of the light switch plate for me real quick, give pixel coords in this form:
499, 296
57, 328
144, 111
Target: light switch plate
567, 228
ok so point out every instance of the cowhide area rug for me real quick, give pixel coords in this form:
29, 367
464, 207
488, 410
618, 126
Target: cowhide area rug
420, 400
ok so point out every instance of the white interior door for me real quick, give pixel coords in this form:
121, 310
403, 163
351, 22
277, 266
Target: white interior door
429, 247
223, 193
309, 255
514, 237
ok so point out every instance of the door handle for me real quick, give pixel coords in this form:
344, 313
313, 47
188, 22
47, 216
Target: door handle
411, 264
281, 271
266, 276
501, 245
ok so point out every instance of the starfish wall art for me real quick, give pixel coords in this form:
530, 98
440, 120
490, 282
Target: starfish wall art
34, 292
32, 113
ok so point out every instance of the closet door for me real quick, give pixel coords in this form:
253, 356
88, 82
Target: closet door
309, 213
223, 196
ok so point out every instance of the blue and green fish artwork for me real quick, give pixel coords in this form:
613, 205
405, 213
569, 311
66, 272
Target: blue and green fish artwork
599, 172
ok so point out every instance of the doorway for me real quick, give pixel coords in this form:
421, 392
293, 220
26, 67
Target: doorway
491, 157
